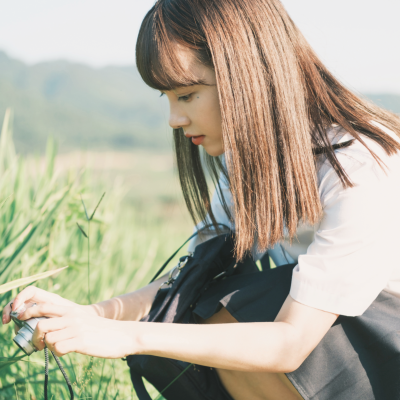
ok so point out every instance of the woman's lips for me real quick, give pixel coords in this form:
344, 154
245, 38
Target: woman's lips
197, 140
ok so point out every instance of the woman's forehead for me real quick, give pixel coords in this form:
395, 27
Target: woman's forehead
184, 56
190, 64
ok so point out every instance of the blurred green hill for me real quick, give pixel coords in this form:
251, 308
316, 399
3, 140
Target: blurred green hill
90, 108
81, 106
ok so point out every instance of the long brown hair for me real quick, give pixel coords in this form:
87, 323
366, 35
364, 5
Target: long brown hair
277, 100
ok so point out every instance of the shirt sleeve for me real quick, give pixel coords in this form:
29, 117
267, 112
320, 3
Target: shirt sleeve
353, 253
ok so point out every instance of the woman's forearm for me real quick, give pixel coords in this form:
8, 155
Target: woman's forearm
279, 346
130, 306
262, 346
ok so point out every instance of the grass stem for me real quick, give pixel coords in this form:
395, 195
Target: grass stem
162, 391
88, 255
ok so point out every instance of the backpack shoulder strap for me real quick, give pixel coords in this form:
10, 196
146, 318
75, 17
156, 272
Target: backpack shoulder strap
176, 252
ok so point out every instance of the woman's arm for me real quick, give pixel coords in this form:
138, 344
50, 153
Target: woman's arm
127, 307
130, 306
279, 346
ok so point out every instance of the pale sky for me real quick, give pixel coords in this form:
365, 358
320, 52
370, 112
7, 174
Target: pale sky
359, 40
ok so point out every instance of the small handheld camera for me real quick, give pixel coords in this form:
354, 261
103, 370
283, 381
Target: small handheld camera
23, 339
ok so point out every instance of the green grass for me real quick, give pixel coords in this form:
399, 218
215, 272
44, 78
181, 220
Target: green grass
136, 227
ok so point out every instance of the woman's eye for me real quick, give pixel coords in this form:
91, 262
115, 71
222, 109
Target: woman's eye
185, 98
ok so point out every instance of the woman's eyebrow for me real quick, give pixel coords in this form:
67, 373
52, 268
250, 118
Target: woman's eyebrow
189, 87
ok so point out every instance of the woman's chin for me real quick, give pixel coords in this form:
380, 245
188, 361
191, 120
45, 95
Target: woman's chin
214, 151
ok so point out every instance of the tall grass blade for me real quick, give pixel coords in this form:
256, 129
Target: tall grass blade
87, 216
18, 252
159, 397
16, 392
84, 233
101, 379
44, 223
51, 151
4, 201
28, 379
106, 388
26, 281
7, 150
4, 362
91, 217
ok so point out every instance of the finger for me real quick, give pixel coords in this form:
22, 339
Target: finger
52, 338
67, 346
44, 310
6, 313
48, 325
21, 310
30, 294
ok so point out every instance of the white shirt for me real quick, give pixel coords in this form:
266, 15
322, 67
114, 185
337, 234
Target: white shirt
352, 254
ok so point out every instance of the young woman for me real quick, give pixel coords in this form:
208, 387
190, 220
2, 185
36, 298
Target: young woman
310, 171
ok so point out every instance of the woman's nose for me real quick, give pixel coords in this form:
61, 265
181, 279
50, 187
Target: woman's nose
178, 120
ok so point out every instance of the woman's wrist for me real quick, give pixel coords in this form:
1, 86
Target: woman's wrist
116, 308
93, 309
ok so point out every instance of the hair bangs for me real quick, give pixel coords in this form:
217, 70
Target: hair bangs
157, 51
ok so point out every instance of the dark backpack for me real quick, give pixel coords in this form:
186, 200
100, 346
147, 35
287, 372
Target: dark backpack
212, 262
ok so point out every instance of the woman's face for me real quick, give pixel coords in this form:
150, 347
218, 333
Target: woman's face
196, 108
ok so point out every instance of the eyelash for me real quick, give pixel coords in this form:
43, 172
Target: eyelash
181, 98
185, 98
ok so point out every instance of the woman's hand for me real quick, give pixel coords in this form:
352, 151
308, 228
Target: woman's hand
74, 330
71, 327
32, 295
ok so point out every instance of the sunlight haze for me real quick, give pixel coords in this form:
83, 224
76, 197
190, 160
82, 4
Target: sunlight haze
357, 39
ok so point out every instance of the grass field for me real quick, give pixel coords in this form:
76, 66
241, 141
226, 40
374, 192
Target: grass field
140, 221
